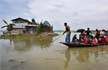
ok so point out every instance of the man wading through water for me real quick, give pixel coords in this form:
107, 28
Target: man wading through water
67, 30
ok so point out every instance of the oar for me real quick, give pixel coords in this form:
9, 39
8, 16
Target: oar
57, 38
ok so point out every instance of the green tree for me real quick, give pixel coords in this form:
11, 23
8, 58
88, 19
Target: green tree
40, 28
9, 26
33, 21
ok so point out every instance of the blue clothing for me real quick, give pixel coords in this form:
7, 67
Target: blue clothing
67, 39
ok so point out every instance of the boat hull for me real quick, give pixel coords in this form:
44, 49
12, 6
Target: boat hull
81, 45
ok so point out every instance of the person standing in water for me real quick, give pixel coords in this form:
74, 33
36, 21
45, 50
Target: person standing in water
67, 30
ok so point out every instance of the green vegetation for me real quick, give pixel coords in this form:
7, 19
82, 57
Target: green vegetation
33, 21
9, 26
41, 27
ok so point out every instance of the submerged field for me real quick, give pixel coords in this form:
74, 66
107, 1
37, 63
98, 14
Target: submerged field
46, 53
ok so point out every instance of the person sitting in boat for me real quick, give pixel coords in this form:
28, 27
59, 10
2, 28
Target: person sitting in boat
99, 40
106, 39
103, 33
101, 37
93, 41
67, 30
102, 40
106, 32
83, 38
97, 35
75, 39
88, 34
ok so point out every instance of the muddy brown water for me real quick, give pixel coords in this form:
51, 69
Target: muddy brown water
47, 54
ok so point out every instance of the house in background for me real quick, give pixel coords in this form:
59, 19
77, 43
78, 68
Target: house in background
23, 26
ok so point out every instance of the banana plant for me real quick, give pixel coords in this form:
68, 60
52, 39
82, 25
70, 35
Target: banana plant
8, 26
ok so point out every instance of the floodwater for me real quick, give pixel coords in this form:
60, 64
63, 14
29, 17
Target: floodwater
49, 54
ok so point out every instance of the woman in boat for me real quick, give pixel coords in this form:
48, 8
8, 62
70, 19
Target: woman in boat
67, 30
83, 38
93, 41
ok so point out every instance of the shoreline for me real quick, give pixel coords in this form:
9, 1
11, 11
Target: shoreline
27, 36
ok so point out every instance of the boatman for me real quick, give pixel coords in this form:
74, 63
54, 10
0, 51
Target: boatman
67, 30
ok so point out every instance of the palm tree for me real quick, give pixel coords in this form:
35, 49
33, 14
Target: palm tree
9, 26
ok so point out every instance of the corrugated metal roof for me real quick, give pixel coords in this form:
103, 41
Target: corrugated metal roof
21, 19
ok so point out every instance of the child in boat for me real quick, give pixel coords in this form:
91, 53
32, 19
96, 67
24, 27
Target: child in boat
93, 41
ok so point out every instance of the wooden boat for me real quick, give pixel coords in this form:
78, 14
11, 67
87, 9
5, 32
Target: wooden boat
81, 45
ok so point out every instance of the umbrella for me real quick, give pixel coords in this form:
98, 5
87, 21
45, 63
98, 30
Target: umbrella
80, 30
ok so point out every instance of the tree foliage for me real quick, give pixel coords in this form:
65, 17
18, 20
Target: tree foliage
33, 21
9, 26
42, 26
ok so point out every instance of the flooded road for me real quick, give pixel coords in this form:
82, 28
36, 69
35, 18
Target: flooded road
49, 54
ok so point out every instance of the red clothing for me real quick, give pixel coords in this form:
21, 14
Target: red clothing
93, 41
85, 40
103, 40
106, 39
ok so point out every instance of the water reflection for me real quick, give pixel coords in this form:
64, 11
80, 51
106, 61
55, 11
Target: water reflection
22, 45
68, 57
85, 55
28, 54
44, 42
41, 42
